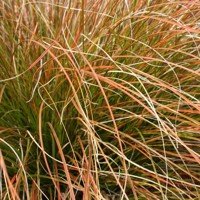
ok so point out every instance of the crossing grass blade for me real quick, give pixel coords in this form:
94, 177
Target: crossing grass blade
99, 99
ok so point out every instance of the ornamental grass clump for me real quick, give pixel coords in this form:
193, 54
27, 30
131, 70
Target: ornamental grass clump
99, 99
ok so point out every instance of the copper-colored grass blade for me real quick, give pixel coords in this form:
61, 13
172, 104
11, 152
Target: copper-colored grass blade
66, 170
33, 34
88, 176
33, 192
11, 187
190, 111
40, 57
1, 92
86, 173
57, 183
184, 27
124, 74
43, 150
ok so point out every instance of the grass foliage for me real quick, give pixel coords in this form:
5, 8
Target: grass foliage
99, 99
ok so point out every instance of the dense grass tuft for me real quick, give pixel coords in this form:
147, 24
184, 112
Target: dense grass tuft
99, 99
